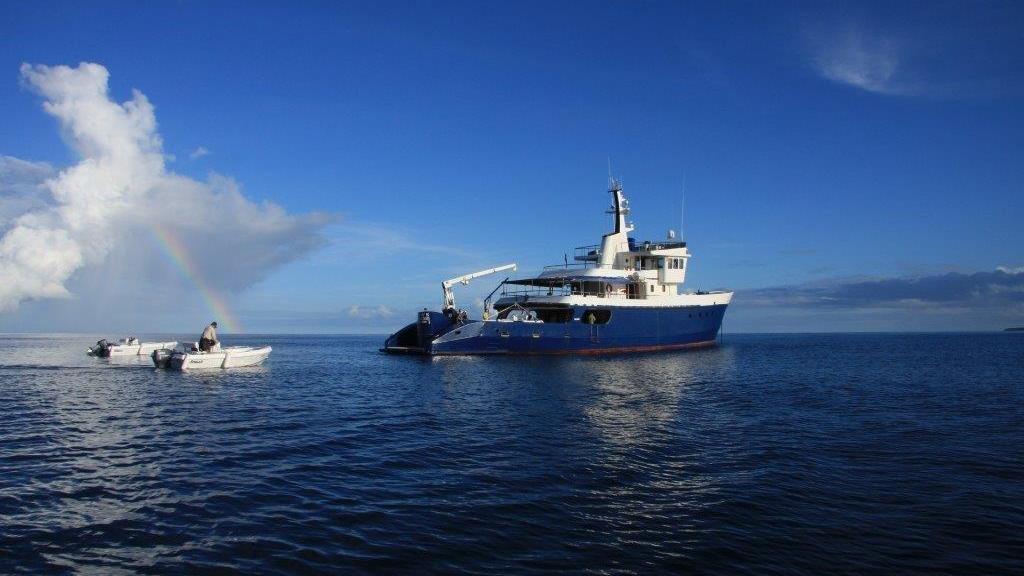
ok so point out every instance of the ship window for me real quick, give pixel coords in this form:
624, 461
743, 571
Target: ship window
662, 287
661, 263
596, 316
650, 288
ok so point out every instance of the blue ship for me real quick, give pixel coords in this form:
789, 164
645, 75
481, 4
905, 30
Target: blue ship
617, 296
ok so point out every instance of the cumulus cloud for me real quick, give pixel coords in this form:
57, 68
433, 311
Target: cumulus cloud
198, 153
368, 312
22, 187
55, 223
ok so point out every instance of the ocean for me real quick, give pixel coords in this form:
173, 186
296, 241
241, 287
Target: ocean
770, 454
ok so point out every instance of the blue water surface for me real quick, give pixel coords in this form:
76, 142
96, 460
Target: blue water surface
780, 454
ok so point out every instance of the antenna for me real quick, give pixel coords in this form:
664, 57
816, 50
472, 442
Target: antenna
610, 178
682, 211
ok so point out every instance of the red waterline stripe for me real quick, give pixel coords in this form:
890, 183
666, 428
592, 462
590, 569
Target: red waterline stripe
587, 352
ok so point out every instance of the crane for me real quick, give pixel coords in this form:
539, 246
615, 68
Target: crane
446, 286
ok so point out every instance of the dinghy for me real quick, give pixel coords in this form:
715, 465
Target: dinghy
193, 359
129, 346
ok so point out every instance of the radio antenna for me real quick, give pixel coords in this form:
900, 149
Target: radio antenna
682, 212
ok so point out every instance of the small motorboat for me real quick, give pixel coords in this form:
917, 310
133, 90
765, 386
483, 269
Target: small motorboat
129, 346
191, 358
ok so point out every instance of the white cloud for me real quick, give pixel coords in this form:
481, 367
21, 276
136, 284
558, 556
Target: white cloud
198, 153
375, 240
367, 312
119, 191
869, 61
1011, 269
22, 187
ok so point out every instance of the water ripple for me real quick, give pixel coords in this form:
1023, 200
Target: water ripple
771, 454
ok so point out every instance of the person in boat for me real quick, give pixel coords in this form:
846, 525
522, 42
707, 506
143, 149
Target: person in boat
209, 337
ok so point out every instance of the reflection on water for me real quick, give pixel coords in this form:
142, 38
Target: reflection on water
633, 398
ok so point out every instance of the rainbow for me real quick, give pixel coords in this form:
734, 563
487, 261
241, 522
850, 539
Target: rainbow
178, 254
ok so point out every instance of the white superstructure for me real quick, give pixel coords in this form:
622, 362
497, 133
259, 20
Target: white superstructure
620, 271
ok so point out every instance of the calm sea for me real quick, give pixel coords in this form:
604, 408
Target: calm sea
795, 454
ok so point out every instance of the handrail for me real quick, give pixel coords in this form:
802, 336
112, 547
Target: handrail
564, 291
574, 266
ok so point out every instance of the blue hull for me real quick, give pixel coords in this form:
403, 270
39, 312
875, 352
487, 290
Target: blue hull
629, 329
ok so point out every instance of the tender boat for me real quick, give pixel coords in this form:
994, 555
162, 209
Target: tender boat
618, 296
129, 346
191, 358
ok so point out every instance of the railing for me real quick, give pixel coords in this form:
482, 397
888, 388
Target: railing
573, 266
588, 256
648, 245
542, 291
587, 253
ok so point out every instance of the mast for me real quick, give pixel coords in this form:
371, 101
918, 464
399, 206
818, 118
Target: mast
612, 242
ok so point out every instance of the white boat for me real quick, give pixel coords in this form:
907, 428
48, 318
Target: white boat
129, 346
217, 357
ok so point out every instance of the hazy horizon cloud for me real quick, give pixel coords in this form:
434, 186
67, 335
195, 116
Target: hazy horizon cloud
368, 312
983, 300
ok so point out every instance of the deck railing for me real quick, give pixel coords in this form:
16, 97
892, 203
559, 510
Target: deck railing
542, 291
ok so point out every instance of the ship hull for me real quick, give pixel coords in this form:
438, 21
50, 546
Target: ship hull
628, 329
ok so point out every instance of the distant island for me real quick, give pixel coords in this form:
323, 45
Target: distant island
1015, 329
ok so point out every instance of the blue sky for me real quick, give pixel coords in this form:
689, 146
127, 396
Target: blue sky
820, 145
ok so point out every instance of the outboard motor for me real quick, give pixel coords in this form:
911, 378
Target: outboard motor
162, 357
101, 349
